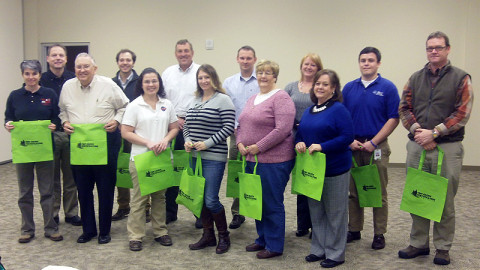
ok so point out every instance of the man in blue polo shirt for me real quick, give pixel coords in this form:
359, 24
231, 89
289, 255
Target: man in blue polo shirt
54, 78
373, 103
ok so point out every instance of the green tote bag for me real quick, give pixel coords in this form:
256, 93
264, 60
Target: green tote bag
154, 172
88, 145
250, 193
31, 141
425, 193
180, 162
123, 173
308, 175
367, 182
234, 167
192, 187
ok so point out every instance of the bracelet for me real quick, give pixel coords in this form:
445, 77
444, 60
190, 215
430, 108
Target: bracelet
374, 145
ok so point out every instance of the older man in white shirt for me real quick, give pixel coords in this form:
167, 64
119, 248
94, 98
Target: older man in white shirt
90, 98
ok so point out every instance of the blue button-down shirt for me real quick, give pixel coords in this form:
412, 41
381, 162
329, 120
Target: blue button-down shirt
240, 90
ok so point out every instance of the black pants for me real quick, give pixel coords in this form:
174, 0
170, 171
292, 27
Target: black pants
104, 176
172, 192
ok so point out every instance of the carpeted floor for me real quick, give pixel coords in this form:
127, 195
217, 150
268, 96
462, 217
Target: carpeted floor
42, 252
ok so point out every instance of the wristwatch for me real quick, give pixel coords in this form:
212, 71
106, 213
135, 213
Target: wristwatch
435, 133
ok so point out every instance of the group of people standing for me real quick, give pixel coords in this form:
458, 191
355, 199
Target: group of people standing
266, 125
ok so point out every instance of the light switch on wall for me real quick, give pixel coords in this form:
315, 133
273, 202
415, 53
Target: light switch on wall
209, 44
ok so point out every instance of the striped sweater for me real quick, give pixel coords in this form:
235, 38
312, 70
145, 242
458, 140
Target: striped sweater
212, 122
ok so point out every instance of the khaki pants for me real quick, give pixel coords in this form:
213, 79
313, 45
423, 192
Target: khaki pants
443, 231
380, 214
136, 218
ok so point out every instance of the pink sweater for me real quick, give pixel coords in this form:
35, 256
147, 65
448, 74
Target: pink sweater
269, 126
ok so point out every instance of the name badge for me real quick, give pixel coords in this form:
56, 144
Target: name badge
377, 154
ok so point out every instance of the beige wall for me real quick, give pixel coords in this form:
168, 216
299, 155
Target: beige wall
11, 54
280, 30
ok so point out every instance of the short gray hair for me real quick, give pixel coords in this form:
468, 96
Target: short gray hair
31, 64
84, 54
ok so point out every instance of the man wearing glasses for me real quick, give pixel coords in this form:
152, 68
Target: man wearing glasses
435, 106
94, 99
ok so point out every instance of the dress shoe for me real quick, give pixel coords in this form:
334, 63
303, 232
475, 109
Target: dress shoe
135, 245
314, 258
75, 220
300, 233
352, 236
198, 223
170, 219
26, 238
104, 239
164, 240
266, 254
412, 252
121, 214
330, 263
84, 238
441, 257
378, 241
237, 221
55, 237
254, 247
56, 219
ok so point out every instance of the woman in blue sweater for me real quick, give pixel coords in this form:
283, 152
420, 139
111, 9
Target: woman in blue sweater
327, 127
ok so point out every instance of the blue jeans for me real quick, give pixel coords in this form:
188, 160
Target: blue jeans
274, 177
213, 173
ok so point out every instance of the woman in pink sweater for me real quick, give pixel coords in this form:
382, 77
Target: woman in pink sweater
265, 130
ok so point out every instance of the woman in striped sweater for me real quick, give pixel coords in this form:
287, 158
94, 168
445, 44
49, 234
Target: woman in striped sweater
210, 120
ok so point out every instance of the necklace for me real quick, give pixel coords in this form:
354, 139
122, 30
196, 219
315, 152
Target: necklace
321, 107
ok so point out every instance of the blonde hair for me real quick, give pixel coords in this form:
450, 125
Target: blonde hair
315, 58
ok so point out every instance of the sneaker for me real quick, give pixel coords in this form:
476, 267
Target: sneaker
378, 241
237, 221
441, 257
121, 214
412, 252
352, 236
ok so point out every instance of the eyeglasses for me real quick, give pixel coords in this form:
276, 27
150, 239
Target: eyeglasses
266, 73
80, 67
437, 48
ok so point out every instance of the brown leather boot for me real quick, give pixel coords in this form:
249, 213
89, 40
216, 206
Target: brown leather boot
208, 237
223, 233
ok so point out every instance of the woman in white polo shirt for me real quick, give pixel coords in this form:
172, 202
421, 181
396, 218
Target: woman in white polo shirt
149, 123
